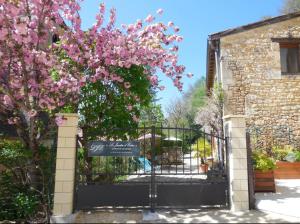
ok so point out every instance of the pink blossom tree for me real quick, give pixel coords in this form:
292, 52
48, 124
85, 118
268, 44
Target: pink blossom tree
38, 76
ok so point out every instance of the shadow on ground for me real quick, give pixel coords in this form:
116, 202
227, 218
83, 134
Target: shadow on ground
182, 216
279, 207
285, 201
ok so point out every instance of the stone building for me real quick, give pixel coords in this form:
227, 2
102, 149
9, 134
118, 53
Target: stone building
258, 66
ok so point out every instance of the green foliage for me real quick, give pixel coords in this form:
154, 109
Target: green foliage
218, 92
26, 204
151, 115
197, 97
104, 169
12, 153
279, 153
107, 168
297, 156
182, 112
293, 156
104, 110
285, 153
54, 75
107, 110
262, 161
105, 106
202, 147
19, 200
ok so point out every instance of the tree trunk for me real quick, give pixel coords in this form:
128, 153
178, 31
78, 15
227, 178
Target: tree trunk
27, 131
87, 160
35, 170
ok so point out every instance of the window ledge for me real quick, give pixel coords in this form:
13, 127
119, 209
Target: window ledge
290, 75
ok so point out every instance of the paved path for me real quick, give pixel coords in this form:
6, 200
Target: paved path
285, 201
188, 171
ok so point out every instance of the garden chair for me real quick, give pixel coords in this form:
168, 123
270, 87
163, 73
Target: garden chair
145, 164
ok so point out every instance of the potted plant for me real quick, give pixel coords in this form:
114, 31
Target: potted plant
203, 166
264, 166
202, 149
288, 163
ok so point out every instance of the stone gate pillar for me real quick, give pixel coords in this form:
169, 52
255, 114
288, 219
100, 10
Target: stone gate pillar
235, 129
65, 165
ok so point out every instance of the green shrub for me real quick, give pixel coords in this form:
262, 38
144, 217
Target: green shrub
25, 203
262, 161
297, 155
19, 200
279, 153
293, 156
13, 154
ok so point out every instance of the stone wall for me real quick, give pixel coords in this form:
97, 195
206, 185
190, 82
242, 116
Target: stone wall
252, 79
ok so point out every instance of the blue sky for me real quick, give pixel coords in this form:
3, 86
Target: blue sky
196, 18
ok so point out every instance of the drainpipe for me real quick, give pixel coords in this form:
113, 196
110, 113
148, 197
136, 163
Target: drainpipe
219, 77
217, 57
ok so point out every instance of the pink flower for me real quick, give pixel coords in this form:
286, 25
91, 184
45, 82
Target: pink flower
51, 107
129, 107
3, 33
159, 11
14, 10
149, 19
170, 24
190, 75
135, 118
82, 81
32, 113
179, 39
96, 50
102, 8
175, 48
7, 100
13, 120
21, 28
176, 29
161, 88
112, 17
127, 85
120, 79
10, 121
87, 55
59, 120
137, 98
154, 80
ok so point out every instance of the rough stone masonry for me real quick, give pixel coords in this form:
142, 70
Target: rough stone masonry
253, 83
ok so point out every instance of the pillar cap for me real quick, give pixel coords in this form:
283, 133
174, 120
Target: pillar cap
67, 114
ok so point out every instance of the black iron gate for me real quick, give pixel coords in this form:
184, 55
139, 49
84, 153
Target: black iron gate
175, 167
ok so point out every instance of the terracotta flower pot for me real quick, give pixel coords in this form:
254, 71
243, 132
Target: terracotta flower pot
203, 168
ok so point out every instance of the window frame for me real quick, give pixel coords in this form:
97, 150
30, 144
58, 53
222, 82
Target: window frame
289, 43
